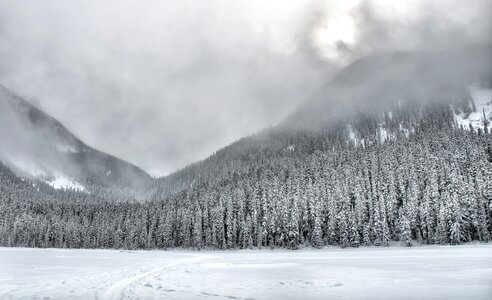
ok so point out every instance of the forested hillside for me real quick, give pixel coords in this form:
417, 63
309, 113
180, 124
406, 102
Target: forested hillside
397, 147
427, 181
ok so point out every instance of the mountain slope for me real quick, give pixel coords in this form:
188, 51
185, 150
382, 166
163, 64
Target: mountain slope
371, 159
378, 82
38, 146
378, 97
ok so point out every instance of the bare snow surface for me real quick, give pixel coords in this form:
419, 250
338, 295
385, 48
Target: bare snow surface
430, 272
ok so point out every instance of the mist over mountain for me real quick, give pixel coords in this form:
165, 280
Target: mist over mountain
389, 91
411, 164
163, 85
377, 83
38, 147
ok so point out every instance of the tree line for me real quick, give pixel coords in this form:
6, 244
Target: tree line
409, 177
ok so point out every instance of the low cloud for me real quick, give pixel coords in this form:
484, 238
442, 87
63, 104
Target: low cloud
163, 84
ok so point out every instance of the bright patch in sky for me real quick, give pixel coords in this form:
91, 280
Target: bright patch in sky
334, 34
338, 31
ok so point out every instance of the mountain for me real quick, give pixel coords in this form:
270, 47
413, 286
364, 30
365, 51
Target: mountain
396, 147
38, 147
377, 97
376, 83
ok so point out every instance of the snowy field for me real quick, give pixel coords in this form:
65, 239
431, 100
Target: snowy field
434, 272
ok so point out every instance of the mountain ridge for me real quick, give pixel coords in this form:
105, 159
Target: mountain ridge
41, 147
415, 168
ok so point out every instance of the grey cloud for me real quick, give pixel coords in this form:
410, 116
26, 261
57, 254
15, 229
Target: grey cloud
159, 84
163, 84
436, 25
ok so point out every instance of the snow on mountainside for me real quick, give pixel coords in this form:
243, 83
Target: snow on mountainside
478, 115
62, 182
46, 174
481, 110
39, 147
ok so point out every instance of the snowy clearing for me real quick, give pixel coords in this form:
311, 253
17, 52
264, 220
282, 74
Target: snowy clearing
483, 102
60, 181
430, 272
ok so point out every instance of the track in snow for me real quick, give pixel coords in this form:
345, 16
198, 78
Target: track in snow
431, 272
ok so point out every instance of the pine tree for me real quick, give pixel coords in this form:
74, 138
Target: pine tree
406, 232
317, 239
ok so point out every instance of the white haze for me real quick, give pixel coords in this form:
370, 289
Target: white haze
166, 83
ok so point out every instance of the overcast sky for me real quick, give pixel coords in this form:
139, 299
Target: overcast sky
165, 83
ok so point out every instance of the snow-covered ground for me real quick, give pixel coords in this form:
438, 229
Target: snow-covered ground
430, 272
